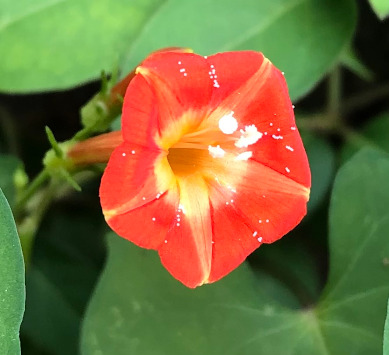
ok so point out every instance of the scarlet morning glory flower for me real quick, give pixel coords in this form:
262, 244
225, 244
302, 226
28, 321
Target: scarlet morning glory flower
211, 164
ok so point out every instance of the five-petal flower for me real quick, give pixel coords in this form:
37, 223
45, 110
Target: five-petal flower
211, 164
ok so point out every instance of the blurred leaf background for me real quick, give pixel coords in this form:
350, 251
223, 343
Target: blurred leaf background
322, 289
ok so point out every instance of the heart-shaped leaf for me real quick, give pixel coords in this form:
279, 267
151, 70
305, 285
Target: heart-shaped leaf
55, 44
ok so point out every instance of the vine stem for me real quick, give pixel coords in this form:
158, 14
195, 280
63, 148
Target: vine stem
33, 187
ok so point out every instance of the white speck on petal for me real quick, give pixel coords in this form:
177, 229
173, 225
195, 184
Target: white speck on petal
179, 62
283, 73
165, 241
123, 154
144, 198
260, 221
185, 74
178, 224
216, 152
260, 239
271, 124
244, 156
293, 128
153, 219
277, 137
267, 221
255, 234
287, 169
133, 152
249, 136
289, 148
293, 106
181, 208
228, 123
205, 57
182, 70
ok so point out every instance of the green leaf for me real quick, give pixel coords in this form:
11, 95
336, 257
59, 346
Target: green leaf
12, 291
55, 44
381, 8
386, 334
9, 167
138, 308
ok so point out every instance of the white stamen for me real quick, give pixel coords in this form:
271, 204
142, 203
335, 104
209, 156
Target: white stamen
216, 152
228, 123
249, 136
244, 156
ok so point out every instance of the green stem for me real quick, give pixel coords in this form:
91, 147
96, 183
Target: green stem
334, 95
32, 188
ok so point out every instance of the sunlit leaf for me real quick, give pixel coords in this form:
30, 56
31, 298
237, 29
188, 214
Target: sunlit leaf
381, 7
55, 44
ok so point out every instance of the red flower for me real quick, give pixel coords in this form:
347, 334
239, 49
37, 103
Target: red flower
211, 164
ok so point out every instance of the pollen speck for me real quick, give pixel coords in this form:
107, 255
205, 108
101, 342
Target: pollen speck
228, 123
244, 156
249, 136
216, 152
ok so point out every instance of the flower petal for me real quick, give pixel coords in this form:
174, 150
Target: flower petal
187, 251
233, 238
259, 208
167, 87
263, 101
147, 226
230, 71
134, 176
269, 202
